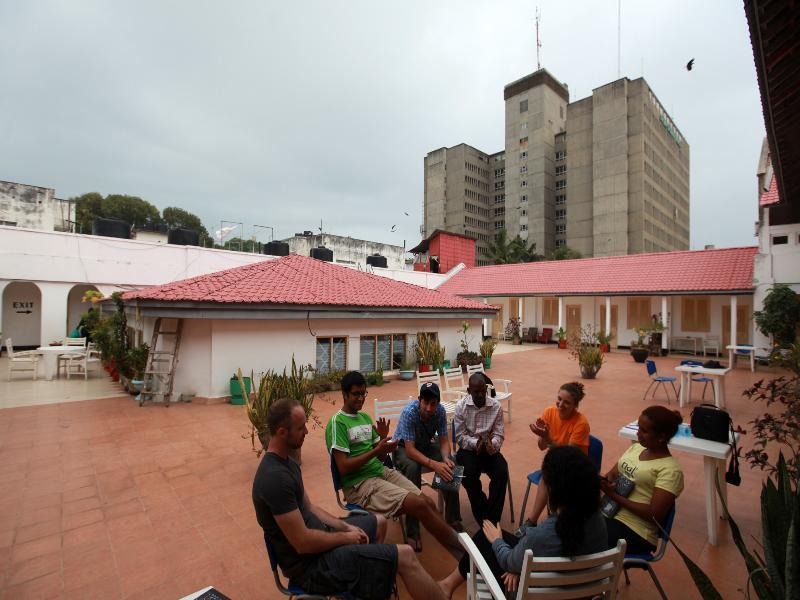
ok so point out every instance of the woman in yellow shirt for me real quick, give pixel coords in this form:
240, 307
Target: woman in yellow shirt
658, 480
559, 425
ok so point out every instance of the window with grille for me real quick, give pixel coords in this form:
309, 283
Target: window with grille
523, 155
561, 214
523, 106
331, 354
523, 227
561, 199
523, 183
388, 351
561, 184
561, 229
561, 169
523, 198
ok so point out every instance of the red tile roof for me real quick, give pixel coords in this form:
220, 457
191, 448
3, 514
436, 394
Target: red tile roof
771, 196
293, 280
723, 270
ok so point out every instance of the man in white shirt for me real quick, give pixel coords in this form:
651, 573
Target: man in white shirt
480, 433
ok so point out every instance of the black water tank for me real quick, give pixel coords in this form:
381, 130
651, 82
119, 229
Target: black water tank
183, 237
322, 253
276, 248
116, 228
376, 260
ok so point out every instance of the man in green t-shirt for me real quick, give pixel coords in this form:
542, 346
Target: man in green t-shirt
358, 447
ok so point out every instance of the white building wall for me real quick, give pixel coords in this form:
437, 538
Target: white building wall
775, 264
34, 207
212, 350
57, 261
348, 251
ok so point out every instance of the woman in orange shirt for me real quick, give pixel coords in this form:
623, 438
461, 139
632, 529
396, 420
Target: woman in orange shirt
559, 425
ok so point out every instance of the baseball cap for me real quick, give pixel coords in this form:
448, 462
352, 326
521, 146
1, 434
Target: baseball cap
429, 389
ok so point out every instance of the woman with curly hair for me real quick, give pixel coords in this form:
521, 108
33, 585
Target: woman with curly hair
575, 525
658, 480
559, 425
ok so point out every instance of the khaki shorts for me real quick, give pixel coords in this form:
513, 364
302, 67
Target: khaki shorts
382, 495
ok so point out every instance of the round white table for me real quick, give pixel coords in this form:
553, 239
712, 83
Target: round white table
50, 357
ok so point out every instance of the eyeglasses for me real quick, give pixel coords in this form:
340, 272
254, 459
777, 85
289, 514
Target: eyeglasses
358, 394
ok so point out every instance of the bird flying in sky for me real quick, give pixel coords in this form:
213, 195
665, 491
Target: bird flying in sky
393, 227
689, 65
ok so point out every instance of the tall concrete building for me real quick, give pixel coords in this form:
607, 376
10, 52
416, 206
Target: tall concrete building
605, 175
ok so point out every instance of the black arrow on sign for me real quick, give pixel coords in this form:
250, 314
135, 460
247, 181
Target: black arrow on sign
24, 312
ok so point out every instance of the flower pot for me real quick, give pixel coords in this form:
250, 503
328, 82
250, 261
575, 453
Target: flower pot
425, 368
589, 371
487, 362
516, 340
562, 344
639, 354
406, 375
604, 348
446, 364
114, 375
236, 390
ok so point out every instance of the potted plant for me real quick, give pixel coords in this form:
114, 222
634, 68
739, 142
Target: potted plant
584, 348
375, 377
273, 386
781, 316
437, 356
137, 362
561, 335
407, 370
639, 351
423, 350
237, 384
604, 339
466, 356
513, 330
487, 348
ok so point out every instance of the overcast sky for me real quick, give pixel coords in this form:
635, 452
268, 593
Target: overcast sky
288, 113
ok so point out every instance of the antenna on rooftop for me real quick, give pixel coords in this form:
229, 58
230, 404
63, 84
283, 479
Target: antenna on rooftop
619, 39
538, 40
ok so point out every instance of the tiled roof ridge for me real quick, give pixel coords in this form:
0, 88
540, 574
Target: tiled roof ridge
616, 257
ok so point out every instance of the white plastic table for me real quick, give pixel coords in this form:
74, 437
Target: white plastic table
736, 349
717, 377
714, 456
50, 357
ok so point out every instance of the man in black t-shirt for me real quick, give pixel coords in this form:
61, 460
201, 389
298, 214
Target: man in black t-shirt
315, 550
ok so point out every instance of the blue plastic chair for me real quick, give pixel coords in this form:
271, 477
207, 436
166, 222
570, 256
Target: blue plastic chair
700, 378
645, 561
656, 380
595, 453
293, 591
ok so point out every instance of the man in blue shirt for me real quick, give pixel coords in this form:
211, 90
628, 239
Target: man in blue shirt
421, 423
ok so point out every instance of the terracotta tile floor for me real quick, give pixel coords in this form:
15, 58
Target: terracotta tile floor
103, 499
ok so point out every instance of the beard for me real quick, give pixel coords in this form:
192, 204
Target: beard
479, 402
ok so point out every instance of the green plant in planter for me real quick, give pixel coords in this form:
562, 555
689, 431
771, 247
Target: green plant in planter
584, 348
274, 386
604, 339
423, 349
781, 315
375, 377
437, 353
407, 369
487, 348
137, 360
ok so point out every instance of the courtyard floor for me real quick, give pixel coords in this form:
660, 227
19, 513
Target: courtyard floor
104, 499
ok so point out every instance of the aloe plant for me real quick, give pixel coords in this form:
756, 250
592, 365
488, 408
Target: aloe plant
776, 574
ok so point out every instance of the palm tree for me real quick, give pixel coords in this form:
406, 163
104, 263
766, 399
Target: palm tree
501, 251
566, 253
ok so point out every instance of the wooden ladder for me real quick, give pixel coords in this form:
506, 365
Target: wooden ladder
159, 373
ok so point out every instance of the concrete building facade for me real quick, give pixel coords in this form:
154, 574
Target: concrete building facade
346, 250
604, 175
34, 207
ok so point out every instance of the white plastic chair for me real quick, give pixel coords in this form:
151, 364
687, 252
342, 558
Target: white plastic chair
548, 577
27, 360
454, 380
80, 362
501, 396
711, 344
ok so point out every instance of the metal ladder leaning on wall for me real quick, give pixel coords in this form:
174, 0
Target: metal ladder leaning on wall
161, 362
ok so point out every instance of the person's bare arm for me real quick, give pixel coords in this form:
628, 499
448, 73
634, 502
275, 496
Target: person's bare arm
312, 541
657, 509
440, 468
348, 464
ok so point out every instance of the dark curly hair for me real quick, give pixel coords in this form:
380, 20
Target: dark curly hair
665, 421
574, 486
575, 389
